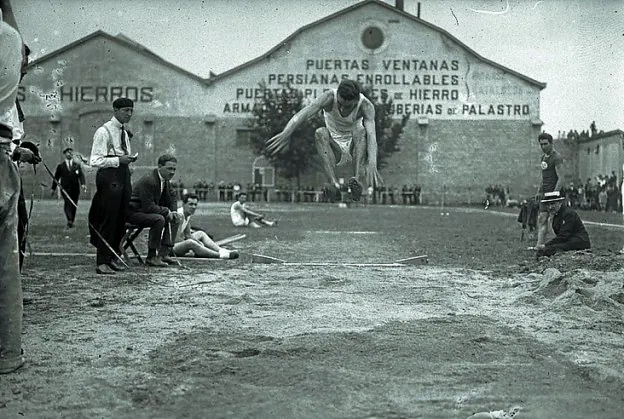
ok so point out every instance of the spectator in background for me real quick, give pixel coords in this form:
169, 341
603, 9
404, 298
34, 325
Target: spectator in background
70, 176
602, 199
242, 216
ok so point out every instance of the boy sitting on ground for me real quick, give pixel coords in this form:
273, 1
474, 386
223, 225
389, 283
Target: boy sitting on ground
197, 241
243, 216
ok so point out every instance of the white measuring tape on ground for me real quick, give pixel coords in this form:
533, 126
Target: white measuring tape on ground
415, 260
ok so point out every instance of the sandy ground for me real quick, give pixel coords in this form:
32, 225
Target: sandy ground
235, 339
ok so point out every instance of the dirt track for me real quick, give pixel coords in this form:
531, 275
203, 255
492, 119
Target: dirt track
235, 339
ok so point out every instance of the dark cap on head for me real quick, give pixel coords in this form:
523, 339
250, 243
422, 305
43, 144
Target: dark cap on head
545, 136
123, 102
68, 149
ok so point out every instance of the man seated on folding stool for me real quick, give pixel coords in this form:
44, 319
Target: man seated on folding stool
153, 205
197, 242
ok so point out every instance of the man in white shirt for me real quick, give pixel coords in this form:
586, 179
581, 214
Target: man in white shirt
110, 153
243, 216
197, 241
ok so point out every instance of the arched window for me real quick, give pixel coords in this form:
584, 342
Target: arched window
262, 173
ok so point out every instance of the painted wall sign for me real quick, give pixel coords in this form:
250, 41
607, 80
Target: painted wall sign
439, 87
99, 94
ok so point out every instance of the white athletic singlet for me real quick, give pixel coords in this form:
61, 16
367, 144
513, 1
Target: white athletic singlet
237, 214
341, 127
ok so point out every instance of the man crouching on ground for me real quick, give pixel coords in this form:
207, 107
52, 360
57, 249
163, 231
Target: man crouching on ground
197, 241
570, 233
153, 205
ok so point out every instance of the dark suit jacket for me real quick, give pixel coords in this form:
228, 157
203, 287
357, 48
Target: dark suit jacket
569, 228
146, 196
70, 180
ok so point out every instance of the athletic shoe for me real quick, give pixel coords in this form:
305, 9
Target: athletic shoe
234, 254
356, 189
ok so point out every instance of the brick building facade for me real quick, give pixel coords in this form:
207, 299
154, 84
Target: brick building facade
472, 122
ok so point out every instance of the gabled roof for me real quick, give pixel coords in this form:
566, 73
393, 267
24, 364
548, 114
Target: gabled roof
357, 6
122, 40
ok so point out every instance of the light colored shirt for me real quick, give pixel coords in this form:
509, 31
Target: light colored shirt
107, 145
162, 183
186, 225
342, 127
10, 64
237, 214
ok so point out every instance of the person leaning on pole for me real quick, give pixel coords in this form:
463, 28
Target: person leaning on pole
110, 153
11, 308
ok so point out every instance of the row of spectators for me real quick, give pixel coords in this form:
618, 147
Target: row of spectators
603, 194
226, 192
496, 195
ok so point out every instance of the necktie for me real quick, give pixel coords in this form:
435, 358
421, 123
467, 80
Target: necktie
68, 164
124, 146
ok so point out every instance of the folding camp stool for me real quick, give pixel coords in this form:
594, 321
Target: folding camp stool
132, 232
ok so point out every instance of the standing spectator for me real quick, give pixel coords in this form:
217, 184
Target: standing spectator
552, 181
602, 199
592, 128
612, 199
221, 188
11, 308
71, 178
153, 204
417, 190
110, 154
405, 193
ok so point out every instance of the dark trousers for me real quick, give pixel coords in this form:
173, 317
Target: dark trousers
68, 208
572, 244
107, 214
22, 225
161, 233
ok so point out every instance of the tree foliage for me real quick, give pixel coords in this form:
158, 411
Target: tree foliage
270, 117
388, 129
